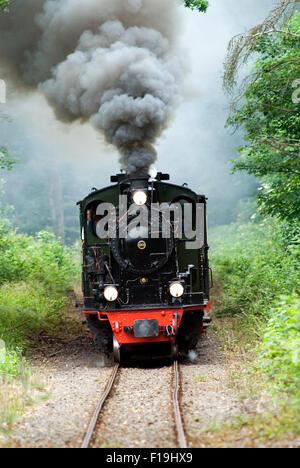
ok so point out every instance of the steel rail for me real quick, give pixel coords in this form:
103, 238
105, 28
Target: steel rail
91, 428
178, 418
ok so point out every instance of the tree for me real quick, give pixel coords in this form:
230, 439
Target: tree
269, 112
243, 46
200, 5
4, 4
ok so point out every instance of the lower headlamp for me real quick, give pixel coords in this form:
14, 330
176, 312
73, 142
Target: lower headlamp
176, 289
111, 293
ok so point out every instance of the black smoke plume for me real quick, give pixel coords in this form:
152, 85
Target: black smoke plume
112, 62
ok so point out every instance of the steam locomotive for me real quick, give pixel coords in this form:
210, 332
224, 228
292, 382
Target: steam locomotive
146, 277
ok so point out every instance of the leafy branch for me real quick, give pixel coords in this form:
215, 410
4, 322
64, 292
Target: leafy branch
4, 4
241, 47
200, 5
6, 162
267, 113
271, 31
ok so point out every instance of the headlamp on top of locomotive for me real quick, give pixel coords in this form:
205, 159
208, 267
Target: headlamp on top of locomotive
160, 283
140, 197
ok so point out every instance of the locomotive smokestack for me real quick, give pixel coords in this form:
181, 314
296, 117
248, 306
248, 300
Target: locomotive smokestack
113, 63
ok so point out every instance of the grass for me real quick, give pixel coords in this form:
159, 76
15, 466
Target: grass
271, 416
200, 378
111, 445
257, 308
266, 430
17, 393
35, 275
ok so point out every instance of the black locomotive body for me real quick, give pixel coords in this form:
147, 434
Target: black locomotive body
146, 278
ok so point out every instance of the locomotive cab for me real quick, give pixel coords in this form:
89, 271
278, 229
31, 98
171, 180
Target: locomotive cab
146, 275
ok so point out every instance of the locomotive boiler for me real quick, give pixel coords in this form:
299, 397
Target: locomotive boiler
146, 275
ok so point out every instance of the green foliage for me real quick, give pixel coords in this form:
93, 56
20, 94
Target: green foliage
271, 120
5, 210
200, 5
242, 48
35, 274
42, 259
4, 4
26, 309
256, 264
6, 162
279, 356
258, 268
12, 363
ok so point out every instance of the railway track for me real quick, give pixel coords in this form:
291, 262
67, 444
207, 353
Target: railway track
177, 414
90, 432
176, 406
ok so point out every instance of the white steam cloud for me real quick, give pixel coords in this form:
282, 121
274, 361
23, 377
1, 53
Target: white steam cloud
112, 62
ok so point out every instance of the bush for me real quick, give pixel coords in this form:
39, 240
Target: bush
35, 274
25, 308
42, 259
256, 263
257, 266
279, 357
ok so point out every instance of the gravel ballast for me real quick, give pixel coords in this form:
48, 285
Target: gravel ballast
74, 381
207, 399
139, 413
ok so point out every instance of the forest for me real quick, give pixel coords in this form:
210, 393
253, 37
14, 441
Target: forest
254, 246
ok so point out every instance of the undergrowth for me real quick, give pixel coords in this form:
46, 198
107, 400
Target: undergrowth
35, 274
257, 309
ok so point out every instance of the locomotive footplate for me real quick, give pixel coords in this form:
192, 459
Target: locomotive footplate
146, 325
